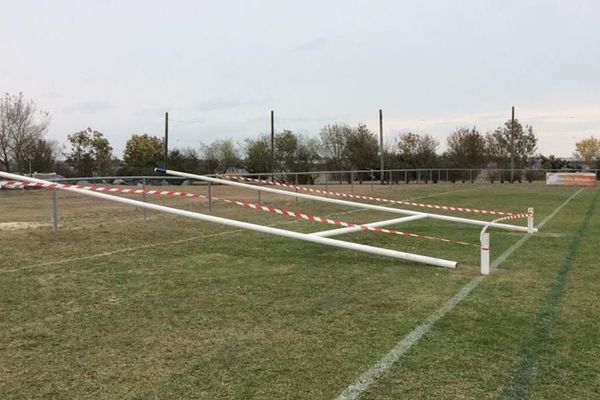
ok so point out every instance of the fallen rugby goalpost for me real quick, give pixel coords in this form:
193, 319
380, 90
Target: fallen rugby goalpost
413, 215
321, 237
351, 203
249, 226
373, 227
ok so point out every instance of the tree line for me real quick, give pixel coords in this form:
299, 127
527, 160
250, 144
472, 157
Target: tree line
337, 147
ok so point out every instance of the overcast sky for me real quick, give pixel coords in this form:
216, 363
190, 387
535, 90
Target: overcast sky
218, 67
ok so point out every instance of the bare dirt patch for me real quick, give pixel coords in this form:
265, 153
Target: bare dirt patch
15, 226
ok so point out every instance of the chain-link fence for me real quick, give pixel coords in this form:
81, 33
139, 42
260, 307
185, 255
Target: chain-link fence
415, 176
388, 177
370, 178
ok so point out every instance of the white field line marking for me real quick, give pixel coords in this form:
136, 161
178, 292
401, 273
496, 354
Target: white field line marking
356, 389
147, 246
441, 193
520, 242
109, 253
127, 249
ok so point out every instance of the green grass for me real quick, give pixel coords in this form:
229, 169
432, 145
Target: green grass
185, 309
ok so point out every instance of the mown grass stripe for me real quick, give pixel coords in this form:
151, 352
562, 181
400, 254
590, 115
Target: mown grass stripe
535, 340
363, 382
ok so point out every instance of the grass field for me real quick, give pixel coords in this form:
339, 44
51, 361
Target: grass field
114, 307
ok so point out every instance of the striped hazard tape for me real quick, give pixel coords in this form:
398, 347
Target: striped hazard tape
325, 220
505, 218
107, 189
244, 204
363, 197
510, 217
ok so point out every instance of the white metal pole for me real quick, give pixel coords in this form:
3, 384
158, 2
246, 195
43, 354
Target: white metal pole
253, 227
485, 253
210, 197
530, 228
144, 198
346, 202
341, 231
54, 212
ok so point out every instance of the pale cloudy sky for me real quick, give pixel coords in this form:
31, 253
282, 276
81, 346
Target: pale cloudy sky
218, 67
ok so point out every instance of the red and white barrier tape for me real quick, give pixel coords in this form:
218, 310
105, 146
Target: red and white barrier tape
505, 218
324, 220
245, 204
16, 184
513, 216
363, 197
510, 217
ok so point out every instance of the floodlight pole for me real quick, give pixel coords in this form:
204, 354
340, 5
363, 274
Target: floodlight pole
166, 137
381, 143
272, 166
512, 146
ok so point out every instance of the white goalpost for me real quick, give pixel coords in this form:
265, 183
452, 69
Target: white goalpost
321, 237
246, 225
484, 239
413, 215
351, 203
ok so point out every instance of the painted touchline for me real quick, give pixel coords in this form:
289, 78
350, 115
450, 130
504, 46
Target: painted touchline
362, 383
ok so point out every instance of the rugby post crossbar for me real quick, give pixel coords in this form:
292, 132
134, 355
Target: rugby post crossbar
248, 226
351, 203
350, 229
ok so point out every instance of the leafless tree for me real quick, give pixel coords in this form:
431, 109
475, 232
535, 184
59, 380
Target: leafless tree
335, 140
21, 127
221, 155
5, 127
43, 155
418, 151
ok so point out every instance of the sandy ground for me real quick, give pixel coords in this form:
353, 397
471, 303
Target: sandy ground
15, 226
